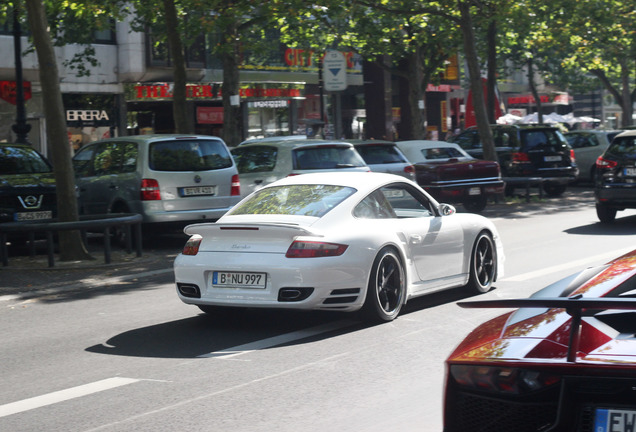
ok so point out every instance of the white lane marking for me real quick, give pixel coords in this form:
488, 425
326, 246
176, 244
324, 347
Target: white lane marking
278, 340
578, 264
63, 395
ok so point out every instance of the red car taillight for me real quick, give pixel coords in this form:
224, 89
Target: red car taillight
605, 163
501, 379
572, 156
192, 245
150, 190
305, 249
520, 157
236, 185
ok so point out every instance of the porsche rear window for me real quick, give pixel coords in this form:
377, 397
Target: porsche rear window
189, 155
296, 200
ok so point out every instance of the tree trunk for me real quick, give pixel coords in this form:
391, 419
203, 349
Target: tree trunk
179, 109
416, 97
533, 90
623, 97
232, 124
492, 70
71, 246
483, 127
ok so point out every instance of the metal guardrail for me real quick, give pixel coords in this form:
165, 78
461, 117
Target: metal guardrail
103, 222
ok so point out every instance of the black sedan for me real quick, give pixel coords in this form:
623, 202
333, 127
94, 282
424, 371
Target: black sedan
615, 182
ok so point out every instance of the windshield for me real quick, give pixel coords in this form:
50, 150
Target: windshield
189, 155
21, 160
297, 200
326, 157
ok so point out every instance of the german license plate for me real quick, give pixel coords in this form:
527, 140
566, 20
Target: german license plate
223, 279
631, 172
614, 420
474, 191
36, 215
197, 190
552, 158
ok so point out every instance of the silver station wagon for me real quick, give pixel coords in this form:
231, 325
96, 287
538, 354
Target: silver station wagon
261, 163
165, 178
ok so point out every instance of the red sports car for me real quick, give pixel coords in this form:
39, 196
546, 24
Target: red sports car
564, 361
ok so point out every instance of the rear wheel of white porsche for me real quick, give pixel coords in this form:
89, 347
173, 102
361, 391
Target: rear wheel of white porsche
483, 264
387, 287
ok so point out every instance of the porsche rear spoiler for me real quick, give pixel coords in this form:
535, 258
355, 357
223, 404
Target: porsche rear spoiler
574, 306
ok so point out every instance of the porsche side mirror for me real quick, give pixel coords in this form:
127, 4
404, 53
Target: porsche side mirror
447, 209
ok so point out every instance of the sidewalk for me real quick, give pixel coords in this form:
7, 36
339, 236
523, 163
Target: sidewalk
24, 275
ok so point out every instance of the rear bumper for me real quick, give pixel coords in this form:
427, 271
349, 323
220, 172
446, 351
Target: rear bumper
619, 195
151, 214
460, 190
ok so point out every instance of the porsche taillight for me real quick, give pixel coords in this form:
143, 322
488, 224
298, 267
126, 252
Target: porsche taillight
502, 379
150, 190
310, 249
192, 245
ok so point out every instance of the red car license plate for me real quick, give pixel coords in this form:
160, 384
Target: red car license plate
614, 420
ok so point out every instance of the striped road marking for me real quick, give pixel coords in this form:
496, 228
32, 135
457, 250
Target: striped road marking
64, 395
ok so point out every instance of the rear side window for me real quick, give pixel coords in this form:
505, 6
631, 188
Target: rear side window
542, 140
623, 146
468, 140
189, 155
380, 154
255, 159
326, 157
21, 160
441, 153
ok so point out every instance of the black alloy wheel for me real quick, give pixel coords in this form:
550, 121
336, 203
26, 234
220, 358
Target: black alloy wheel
387, 287
483, 264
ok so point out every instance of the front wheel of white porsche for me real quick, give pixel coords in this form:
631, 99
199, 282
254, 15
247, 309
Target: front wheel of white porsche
483, 264
387, 287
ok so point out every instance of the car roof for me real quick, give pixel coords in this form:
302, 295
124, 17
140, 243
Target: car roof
362, 181
370, 142
159, 137
427, 144
626, 133
298, 143
273, 138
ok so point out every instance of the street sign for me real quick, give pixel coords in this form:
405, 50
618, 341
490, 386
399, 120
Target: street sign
334, 71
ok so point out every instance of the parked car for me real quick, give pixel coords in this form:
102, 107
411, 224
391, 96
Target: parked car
527, 151
27, 185
615, 181
564, 361
165, 178
260, 164
450, 174
588, 145
384, 156
336, 241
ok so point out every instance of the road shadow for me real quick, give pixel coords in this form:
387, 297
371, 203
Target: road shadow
203, 334
621, 226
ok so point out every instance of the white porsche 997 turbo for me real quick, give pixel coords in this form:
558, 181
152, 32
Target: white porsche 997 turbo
336, 241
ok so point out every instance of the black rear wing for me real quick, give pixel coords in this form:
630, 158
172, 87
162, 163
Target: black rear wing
574, 306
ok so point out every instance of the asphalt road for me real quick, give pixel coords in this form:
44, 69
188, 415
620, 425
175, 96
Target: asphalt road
126, 354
